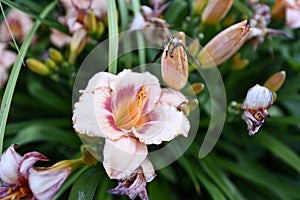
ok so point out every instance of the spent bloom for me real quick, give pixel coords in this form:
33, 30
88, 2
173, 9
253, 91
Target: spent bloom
224, 45
130, 110
255, 106
21, 180
19, 24
7, 58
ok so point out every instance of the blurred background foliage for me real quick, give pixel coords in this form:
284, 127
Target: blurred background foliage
265, 166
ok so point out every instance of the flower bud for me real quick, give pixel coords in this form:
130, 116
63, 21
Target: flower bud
255, 106
239, 63
90, 22
50, 63
37, 66
77, 44
56, 55
194, 89
215, 10
275, 82
100, 29
224, 45
198, 6
174, 64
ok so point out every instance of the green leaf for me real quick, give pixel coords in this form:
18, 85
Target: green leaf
279, 149
85, 186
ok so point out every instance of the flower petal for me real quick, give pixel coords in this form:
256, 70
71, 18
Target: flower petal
123, 156
99, 80
127, 86
148, 170
171, 97
9, 164
29, 159
258, 97
165, 124
45, 184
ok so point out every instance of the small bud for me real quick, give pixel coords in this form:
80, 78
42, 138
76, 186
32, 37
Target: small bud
195, 89
275, 82
215, 10
224, 45
100, 29
37, 66
90, 22
56, 55
255, 106
239, 63
194, 47
193, 104
50, 63
184, 108
88, 158
174, 64
77, 44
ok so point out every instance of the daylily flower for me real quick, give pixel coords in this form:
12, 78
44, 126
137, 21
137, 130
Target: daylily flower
135, 184
290, 9
151, 21
21, 180
130, 110
7, 58
77, 9
255, 106
19, 24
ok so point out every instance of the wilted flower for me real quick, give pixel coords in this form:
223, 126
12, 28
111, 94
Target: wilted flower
215, 10
255, 106
135, 184
150, 20
130, 110
19, 24
224, 45
7, 58
290, 9
21, 180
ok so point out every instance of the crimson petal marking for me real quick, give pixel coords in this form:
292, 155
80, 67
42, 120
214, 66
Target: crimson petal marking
165, 124
29, 159
123, 156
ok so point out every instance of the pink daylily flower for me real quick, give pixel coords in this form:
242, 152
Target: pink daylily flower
21, 180
7, 58
130, 110
19, 23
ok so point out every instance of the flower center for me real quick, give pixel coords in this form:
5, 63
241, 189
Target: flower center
20, 192
130, 115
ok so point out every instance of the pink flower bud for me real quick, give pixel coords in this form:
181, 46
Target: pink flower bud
215, 10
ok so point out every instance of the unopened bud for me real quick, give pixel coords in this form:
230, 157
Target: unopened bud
77, 44
224, 45
88, 158
100, 29
239, 63
198, 6
37, 66
50, 63
56, 55
185, 109
193, 104
90, 22
194, 89
275, 82
215, 10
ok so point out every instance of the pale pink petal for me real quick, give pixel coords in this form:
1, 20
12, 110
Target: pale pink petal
73, 25
28, 160
148, 170
3, 77
45, 184
165, 123
9, 163
258, 97
172, 97
127, 86
99, 80
293, 17
123, 156
7, 58
99, 7
59, 39
138, 22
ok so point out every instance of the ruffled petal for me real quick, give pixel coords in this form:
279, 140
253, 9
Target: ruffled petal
171, 97
99, 80
127, 86
148, 170
165, 124
123, 156
9, 164
45, 184
29, 159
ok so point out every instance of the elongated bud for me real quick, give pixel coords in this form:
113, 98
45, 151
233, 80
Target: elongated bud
224, 45
174, 64
56, 55
215, 10
77, 44
50, 63
73, 164
90, 22
275, 82
37, 66
198, 6
194, 89
238, 62
100, 29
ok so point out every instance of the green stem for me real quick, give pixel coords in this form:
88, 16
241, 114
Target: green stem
9, 91
113, 36
140, 38
243, 8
